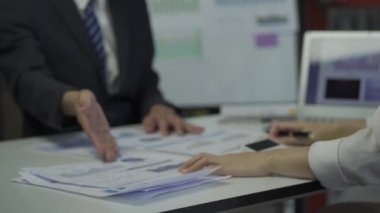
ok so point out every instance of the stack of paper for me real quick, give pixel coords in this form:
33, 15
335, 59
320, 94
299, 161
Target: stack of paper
144, 174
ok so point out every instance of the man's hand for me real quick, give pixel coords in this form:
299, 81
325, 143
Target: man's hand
84, 106
164, 119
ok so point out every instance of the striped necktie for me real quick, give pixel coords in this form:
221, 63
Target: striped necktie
95, 35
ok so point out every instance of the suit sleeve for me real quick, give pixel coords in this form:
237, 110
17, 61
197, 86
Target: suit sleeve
350, 161
150, 93
23, 65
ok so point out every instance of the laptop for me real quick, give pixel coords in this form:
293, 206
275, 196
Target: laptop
340, 74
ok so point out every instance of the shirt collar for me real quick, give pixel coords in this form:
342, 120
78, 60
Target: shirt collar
81, 4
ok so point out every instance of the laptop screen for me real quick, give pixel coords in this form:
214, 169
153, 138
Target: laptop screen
343, 70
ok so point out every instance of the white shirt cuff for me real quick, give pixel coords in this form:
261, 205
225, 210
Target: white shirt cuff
324, 162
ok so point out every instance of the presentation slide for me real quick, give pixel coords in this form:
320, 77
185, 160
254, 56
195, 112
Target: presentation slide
225, 51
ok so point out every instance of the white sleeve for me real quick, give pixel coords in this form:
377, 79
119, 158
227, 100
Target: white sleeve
354, 160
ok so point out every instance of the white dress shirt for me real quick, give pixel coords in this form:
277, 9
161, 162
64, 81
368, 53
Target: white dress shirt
102, 13
349, 161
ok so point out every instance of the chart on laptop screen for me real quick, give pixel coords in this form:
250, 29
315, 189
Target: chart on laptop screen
344, 71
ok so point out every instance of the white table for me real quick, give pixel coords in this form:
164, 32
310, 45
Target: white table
230, 194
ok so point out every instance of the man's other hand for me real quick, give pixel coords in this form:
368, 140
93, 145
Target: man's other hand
164, 119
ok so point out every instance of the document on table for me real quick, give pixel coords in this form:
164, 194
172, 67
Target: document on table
78, 144
143, 174
147, 165
214, 141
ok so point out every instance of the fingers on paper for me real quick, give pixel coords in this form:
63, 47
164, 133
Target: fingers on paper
198, 162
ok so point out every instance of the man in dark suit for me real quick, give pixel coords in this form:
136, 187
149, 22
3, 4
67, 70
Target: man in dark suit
86, 62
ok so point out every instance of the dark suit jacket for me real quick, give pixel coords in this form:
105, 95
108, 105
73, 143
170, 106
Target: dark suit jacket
45, 51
